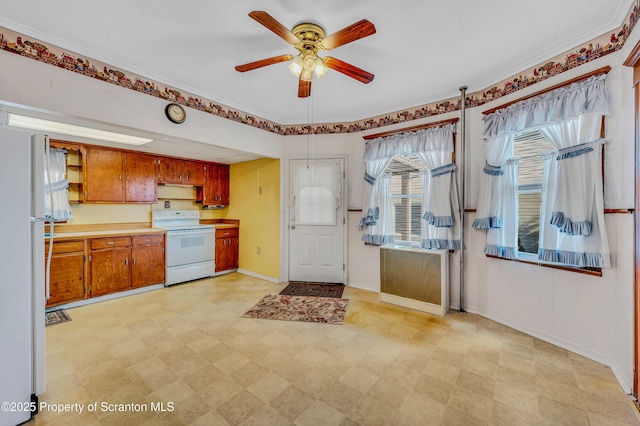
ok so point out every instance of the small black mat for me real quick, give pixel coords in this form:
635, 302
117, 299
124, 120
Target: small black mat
303, 288
56, 317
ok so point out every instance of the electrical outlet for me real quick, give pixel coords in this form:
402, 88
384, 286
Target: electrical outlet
258, 250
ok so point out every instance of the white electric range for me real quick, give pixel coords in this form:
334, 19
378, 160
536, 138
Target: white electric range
190, 246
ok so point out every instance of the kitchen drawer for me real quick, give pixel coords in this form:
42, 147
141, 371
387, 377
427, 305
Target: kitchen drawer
141, 240
227, 233
64, 246
104, 243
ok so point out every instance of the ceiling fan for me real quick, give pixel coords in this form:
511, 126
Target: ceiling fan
309, 38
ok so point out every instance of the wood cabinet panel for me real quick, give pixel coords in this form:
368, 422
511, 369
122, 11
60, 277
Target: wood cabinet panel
170, 170
147, 266
139, 240
103, 173
66, 278
106, 243
227, 249
194, 173
140, 181
64, 247
216, 188
180, 172
110, 271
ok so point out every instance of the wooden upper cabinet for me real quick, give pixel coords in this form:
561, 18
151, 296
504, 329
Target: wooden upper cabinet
216, 187
103, 172
140, 178
170, 170
114, 176
194, 173
180, 172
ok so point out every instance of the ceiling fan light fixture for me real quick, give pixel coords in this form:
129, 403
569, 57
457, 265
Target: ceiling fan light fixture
320, 69
306, 75
309, 62
296, 67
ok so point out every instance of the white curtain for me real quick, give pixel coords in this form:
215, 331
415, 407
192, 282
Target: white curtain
440, 227
572, 227
58, 191
498, 200
319, 179
570, 118
376, 212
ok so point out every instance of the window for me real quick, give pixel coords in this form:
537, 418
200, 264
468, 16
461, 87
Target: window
527, 148
405, 195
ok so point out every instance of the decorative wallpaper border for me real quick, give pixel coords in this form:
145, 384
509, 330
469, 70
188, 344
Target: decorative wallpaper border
33, 49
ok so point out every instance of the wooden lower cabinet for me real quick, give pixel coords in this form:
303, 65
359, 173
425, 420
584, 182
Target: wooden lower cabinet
67, 273
115, 264
122, 263
227, 249
147, 264
109, 265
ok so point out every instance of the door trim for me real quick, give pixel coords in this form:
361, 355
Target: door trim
633, 60
285, 216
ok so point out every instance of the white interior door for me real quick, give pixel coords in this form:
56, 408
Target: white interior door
317, 220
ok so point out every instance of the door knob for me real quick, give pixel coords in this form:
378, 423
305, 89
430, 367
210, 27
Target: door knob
293, 227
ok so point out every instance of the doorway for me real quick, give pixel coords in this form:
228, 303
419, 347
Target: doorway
317, 220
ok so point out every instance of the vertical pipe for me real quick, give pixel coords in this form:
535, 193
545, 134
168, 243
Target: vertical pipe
463, 109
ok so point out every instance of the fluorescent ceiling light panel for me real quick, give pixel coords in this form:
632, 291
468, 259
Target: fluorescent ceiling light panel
73, 130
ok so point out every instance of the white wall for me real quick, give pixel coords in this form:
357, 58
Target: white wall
55, 93
592, 316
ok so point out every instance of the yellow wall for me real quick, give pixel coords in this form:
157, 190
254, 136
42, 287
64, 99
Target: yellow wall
259, 214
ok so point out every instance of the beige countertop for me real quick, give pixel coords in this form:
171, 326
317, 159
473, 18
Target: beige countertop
225, 225
123, 232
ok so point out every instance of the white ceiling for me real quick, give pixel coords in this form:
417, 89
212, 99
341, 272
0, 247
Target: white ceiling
423, 51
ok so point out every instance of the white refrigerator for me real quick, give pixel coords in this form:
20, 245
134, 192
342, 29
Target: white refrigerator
22, 297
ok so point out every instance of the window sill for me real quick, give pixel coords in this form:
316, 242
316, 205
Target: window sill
596, 272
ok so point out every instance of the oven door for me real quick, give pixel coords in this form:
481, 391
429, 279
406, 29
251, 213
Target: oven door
192, 246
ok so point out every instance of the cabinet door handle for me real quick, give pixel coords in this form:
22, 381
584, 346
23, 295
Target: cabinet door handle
120, 178
180, 176
187, 178
134, 261
126, 261
110, 242
127, 178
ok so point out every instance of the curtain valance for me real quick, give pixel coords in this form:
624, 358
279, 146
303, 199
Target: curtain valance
586, 96
433, 139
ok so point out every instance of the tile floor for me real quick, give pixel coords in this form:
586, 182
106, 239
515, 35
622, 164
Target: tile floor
186, 349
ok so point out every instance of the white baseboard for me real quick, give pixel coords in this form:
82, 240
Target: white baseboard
255, 275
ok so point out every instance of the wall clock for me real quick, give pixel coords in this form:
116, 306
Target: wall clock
175, 113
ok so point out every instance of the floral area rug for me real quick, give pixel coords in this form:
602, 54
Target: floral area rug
301, 288
326, 310
56, 317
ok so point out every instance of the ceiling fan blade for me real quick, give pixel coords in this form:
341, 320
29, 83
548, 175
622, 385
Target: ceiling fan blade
348, 69
304, 89
346, 35
269, 21
263, 63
